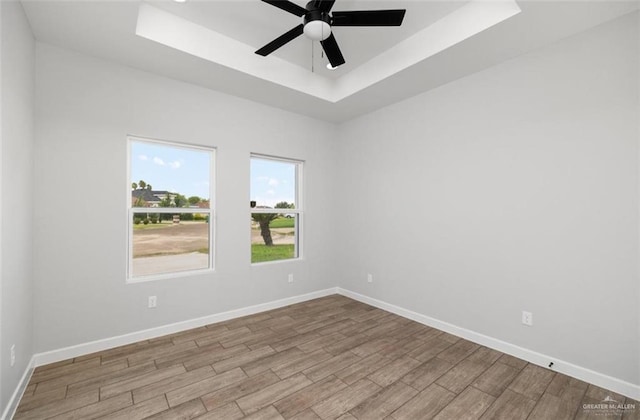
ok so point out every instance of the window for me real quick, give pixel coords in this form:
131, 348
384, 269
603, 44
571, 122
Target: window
170, 218
276, 209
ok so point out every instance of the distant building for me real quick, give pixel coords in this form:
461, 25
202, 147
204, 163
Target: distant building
151, 198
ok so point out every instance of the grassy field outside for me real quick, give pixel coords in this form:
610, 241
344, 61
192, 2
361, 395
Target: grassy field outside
283, 222
263, 253
283, 234
142, 226
165, 224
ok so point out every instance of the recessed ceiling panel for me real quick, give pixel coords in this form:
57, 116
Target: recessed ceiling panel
256, 23
459, 24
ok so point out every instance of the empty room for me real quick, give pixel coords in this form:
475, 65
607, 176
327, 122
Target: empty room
350, 209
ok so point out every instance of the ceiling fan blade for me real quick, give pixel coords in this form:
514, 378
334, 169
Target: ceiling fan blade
323, 5
330, 46
287, 6
369, 18
281, 40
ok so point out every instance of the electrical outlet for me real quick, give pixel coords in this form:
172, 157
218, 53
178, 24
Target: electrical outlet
13, 355
153, 301
527, 318
369, 278
290, 278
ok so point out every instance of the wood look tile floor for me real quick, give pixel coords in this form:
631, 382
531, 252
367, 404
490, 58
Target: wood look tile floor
329, 358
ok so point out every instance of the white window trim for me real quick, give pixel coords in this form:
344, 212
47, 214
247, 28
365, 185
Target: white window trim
132, 210
299, 210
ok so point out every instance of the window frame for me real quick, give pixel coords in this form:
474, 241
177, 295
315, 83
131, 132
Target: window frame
130, 278
298, 211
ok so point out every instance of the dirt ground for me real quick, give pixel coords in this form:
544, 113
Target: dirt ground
171, 239
279, 236
186, 237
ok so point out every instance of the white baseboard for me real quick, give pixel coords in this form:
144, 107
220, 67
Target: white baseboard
121, 340
604, 381
10, 410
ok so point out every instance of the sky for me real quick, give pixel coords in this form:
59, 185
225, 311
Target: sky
187, 171
169, 168
272, 181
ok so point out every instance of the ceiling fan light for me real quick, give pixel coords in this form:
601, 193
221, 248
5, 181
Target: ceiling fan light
317, 30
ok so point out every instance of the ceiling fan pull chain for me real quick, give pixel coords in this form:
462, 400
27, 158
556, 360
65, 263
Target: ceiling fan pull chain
312, 53
322, 51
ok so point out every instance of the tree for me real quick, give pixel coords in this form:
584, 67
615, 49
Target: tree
149, 187
194, 199
134, 186
165, 202
180, 200
285, 205
142, 184
263, 219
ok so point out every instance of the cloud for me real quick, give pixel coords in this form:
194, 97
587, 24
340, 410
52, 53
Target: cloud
143, 157
158, 161
262, 178
273, 182
271, 192
175, 164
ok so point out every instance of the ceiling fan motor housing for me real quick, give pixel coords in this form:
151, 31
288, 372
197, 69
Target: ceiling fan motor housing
317, 24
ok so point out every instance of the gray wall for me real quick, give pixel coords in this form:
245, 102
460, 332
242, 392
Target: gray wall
85, 108
16, 136
513, 189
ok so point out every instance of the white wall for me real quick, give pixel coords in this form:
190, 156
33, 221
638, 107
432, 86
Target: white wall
513, 189
85, 108
16, 167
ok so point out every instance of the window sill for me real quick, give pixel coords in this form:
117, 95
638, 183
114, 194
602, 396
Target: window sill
276, 261
169, 276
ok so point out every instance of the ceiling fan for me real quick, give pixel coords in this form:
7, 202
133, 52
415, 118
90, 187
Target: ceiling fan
317, 23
